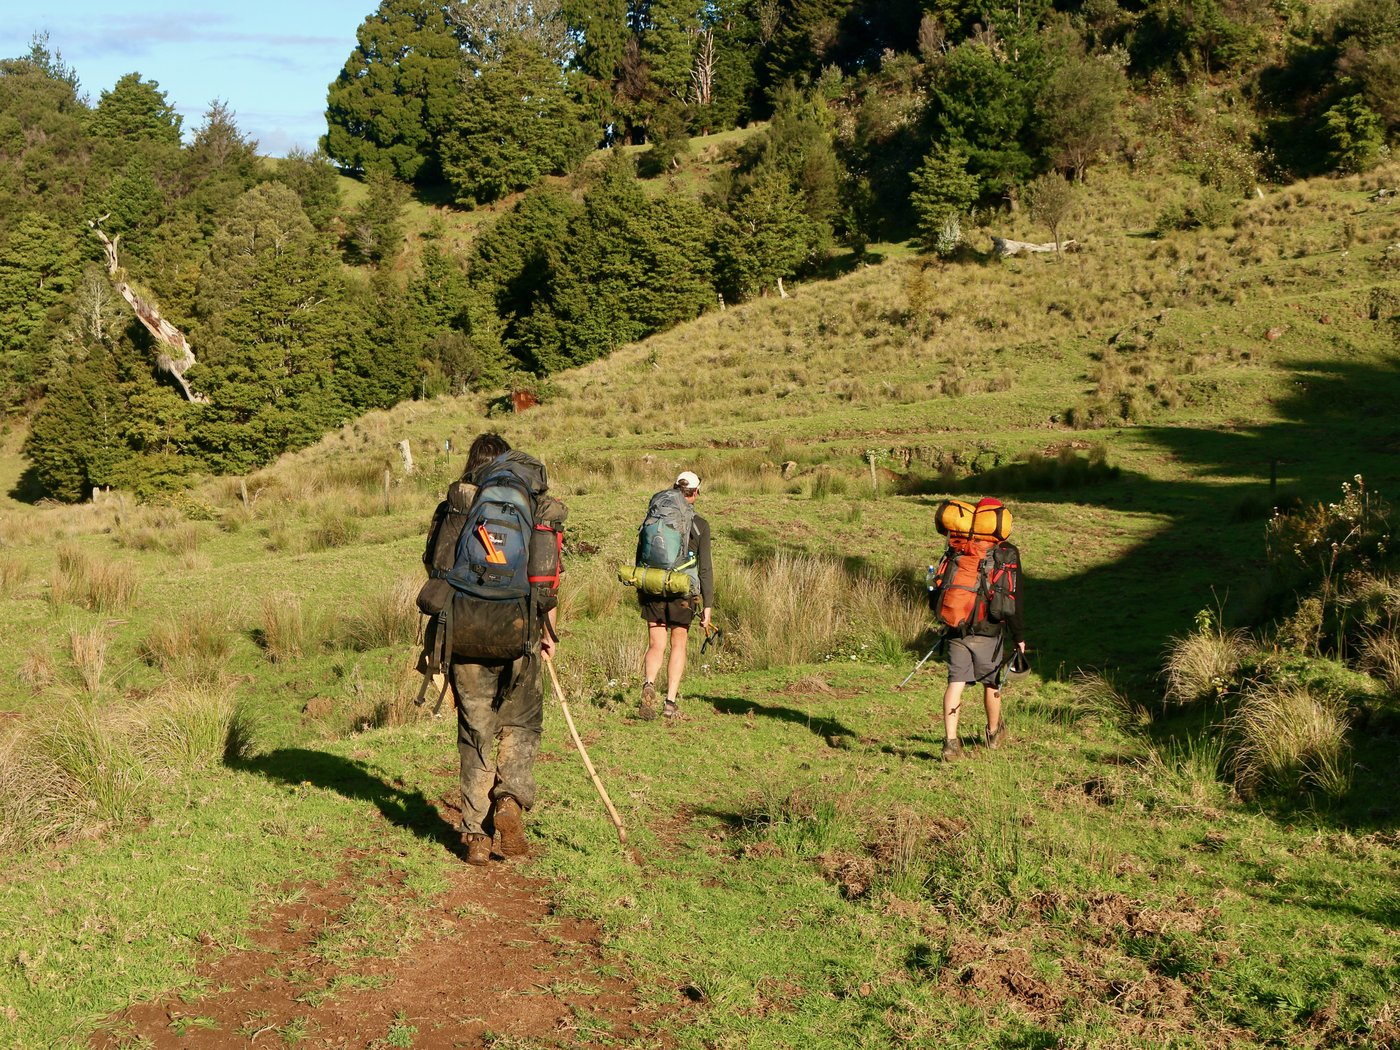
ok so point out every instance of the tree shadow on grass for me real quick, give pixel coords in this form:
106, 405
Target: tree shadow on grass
818, 724
402, 807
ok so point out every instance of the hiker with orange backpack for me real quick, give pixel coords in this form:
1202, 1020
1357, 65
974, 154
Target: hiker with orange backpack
975, 593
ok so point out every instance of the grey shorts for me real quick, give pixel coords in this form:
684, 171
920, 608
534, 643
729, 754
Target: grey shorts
976, 659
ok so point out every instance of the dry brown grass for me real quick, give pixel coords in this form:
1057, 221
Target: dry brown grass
192, 647
13, 573
80, 578
387, 618
88, 648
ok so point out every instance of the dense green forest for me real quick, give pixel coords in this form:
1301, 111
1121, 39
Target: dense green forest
869, 122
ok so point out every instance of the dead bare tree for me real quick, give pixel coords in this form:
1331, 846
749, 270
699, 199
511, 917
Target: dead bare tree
176, 356
702, 74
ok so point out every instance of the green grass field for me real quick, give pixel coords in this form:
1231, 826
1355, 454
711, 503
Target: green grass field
809, 872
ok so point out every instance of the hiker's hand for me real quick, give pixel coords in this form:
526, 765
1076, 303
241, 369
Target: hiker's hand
1021, 645
547, 644
705, 619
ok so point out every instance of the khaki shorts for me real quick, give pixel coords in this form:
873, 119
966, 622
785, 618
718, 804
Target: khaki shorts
976, 658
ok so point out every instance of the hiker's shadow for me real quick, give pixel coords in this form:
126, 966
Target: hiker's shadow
818, 724
400, 805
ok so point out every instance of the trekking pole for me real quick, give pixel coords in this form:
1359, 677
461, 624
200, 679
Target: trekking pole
921, 663
583, 752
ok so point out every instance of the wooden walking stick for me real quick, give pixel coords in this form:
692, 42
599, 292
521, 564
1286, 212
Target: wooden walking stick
583, 752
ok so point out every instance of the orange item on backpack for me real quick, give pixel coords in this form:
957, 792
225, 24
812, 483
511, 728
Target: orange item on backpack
988, 519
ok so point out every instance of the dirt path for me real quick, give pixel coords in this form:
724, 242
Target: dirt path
492, 965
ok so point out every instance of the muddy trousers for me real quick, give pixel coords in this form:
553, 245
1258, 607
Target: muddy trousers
500, 710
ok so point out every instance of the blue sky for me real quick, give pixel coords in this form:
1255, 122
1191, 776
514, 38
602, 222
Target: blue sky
269, 62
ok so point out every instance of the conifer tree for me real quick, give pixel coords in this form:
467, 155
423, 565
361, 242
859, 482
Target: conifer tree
135, 110
396, 92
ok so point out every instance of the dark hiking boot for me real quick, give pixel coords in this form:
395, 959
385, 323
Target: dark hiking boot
671, 709
952, 749
995, 737
478, 849
510, 825
647, 710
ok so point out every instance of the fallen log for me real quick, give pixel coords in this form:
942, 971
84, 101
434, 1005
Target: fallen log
1004, 247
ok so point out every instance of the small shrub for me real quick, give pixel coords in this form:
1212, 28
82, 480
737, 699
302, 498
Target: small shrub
1289, 740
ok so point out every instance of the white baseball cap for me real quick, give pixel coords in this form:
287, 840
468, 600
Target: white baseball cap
688, 479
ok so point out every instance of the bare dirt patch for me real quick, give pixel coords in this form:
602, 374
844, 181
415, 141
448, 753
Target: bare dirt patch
488, 961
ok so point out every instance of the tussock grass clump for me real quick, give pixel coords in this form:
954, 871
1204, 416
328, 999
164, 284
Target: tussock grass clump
1098, 694
191, 647
13, 573
389, 617
1065, 469
608, 662
590, 589
88, 647
801, 822
333, 530
80, 579
162, 529
183, 727
1290, 740
83, 766
286, 631
797, 608
1380, 656
1204, 664
65, 773
36, 670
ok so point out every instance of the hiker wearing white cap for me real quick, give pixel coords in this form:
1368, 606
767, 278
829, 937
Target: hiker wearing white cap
675, 538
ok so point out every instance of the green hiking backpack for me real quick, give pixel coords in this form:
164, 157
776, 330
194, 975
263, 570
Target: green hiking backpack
663, 542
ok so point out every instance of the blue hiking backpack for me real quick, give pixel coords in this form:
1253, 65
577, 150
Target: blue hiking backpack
491, 615
663, 541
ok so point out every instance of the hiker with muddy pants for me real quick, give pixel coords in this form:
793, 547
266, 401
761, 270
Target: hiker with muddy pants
503, 535
975, 593
676, 541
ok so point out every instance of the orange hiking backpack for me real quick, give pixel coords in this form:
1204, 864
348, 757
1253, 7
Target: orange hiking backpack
958, 586
978, 577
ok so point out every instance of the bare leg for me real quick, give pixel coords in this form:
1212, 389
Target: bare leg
656, 651
675, 667
952, 704
992, 697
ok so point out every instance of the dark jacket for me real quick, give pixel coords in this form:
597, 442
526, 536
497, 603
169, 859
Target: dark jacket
700, 544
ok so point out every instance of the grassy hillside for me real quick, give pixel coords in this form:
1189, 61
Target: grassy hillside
805, 872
